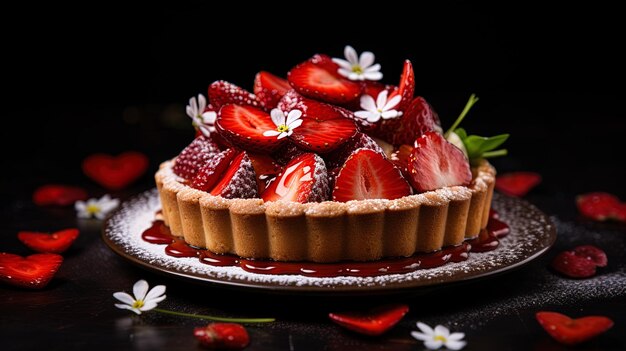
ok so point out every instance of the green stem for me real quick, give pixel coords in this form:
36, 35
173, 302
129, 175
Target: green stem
496, 153
472, 100
217, 319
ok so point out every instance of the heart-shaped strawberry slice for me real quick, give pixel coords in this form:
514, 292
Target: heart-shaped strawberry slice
580, 262
34, 271
601, 206
115, 172
61, 195
570, 331
243, 126
56, 242
373, 322
517, 183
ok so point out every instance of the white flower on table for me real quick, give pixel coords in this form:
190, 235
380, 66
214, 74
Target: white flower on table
285, 123
143, 300
381, 108
356, 67
98, 208
440, 336
205, 121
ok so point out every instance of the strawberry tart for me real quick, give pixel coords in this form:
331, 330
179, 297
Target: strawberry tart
324, 166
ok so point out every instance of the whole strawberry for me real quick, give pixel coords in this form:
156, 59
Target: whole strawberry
230, 336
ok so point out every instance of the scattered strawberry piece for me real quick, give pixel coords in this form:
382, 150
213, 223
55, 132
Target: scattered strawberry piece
517, 184
570, 331
269, 89
34, 271
418, 118
435, 163
324, 127
60, 195
601, 206
580, 262
367, 174
265, 168
212, 171
56, 242
230, 336
195, 156
303, 180
400, 158
406, 88
222, 93
317, 78
115, 172
359, 141
243, 126
374, 322
239, 180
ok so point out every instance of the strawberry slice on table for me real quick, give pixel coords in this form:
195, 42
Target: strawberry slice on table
115, 172
417, 119
195, 156
303, 180
517, 184
34, 271
59, 195
601, 206
318, 79
222, 93
243, 126
406, 89
324, 127
265, 168
238, 181
367, 174
373, 322
56, 242
581, 262
212, 171
570, 331
222, 336
269, 89
435, 163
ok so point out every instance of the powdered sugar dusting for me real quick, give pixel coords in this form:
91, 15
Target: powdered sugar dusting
530, 235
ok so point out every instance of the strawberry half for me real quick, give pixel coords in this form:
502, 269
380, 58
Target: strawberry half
303, 180
34, 271
56, 242
367, 174
238, 181
269, 89
400, 158
324, 127
222, 336
359, 141
211, 172
317, 78
418, 118
243, 126
374, 322
517, 183
60, 195
407, 86
265, 168
601, 206
222, 93
435, 163
570, 331
195, 156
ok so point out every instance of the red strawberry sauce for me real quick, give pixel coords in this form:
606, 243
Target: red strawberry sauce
160, 234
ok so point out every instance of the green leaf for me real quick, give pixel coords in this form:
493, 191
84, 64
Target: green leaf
493, 142
461, 133
480, 147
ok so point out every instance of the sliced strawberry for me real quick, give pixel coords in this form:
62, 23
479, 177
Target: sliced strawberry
195, 156
570, 331
222, 93
400, 158
34, 271
359, 141
223, 336
239, 180
592, 253
269, 89
517, 184
367, 174
212, 171
287, 153
435, 163
317, 78
60, 195
56, 242
573, 266
406, 88
115, 172
265, 168
303, 180
243, 126
601, 206
373, 322
416, 120
324, 127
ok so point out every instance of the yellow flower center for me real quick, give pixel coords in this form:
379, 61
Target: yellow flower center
93, 209
283, 128
138, 304
440, 338
357, 69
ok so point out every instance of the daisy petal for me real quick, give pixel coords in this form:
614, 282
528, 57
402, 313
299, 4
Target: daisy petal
209, 117
282, 135
366, 59
155, 292
159, 299
345, 72
389, 114
271, 133
355, 76
381, 100
295, 124
433, 344
293, 115
373, 117
80, 206
420, 336
368, 103
201, 103
443, 331
124, 297
351, 55
124, 307
455, 345
425, 328
373, 75
456, 336
362, 114
374, 68
278, 117
343, 63
148, 305
140, 289
100, 215
193, 106
393, 102
189, 111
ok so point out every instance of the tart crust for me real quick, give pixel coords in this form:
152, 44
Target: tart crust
329, 231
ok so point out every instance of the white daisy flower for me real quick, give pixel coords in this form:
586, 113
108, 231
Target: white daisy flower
143, 300
374, 110
440, 336
285, 123
205, 121
356, 67
98, 208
